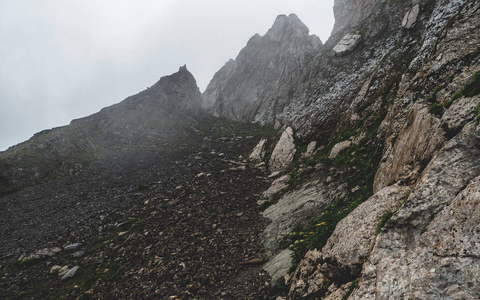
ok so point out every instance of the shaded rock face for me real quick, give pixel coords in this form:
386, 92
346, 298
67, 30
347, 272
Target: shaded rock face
257, 85
290, 209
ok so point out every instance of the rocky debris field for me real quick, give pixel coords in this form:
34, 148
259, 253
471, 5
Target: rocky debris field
181, 223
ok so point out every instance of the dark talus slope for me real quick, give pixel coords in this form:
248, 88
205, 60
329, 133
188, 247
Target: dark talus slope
151, 118
153, 224
262, 80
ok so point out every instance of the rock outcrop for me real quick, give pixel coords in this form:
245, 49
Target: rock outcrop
284, 151
410, 258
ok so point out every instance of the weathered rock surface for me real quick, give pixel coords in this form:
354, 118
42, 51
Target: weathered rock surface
350, 244
307, 278
284, 152
340, 293
410, 258
278, 185
459, 114
278, 266
421, 136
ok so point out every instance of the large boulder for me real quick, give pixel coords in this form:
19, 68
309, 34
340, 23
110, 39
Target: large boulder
284, 152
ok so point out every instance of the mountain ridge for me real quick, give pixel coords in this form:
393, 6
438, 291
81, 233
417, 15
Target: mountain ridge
375, 189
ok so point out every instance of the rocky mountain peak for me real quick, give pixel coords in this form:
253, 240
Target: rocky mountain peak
287, 28
256, 86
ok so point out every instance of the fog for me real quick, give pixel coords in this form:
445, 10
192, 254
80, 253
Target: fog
61, 60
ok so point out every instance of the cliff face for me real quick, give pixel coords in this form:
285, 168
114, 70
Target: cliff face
397, 84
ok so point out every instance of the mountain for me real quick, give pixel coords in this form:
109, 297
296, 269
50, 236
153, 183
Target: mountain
262, 80
151, 118
363, 158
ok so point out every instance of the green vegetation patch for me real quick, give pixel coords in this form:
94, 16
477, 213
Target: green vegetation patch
383, 220
472, 88
359, 164
476, 111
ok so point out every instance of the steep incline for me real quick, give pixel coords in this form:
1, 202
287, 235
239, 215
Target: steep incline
383, 208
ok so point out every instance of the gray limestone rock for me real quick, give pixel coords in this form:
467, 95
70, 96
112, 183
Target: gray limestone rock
279, 265
339, 148
278, 185
418, 141
461, 111
410, 18
284, 152
73, 246
70, 273
310, 150
307, 278
350, 244
347, 44
260, 82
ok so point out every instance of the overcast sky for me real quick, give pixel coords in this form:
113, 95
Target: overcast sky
65, 59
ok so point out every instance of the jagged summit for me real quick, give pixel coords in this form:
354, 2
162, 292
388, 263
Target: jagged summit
256, 86
286, 28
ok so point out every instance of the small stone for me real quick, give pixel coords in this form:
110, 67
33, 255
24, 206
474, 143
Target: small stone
78, 254
310, 150
70, 273
284, 152
55, 269
278, 185
259, 151
274, 174
63, 271
72, 247
339, 148
410, 18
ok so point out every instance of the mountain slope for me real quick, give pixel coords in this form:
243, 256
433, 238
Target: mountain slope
375, 194
152, 118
